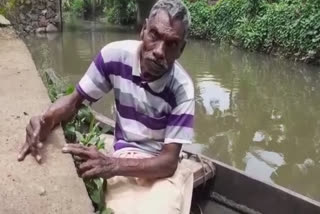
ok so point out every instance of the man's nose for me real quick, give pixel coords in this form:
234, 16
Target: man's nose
158, 52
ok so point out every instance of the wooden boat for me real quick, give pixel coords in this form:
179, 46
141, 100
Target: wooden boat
222, 189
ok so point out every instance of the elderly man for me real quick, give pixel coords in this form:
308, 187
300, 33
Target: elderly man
154, 99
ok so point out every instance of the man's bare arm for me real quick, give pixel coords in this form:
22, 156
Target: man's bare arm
97, 164
161, 166
40, 127
63, 109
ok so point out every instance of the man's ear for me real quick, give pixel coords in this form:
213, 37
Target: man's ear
183, 45
144, 27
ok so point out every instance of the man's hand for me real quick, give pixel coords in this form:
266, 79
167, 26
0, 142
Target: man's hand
40, 127
94, 163
36, 131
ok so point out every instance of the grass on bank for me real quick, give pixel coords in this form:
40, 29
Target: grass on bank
286, 27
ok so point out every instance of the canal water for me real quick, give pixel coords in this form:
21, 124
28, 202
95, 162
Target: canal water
258, 113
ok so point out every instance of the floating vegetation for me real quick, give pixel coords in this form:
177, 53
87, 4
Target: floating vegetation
82, 129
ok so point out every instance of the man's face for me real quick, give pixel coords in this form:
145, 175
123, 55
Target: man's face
163, 43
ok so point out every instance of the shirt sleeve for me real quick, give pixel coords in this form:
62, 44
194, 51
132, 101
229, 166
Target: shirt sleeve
95, 83
180, 124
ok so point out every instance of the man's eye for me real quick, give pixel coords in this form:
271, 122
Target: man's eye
153, 35
172, 44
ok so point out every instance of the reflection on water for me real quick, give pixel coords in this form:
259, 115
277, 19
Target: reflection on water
211, 101
262, 164
257, 113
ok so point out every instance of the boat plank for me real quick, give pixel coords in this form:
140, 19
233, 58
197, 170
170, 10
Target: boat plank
258, 195
214, 207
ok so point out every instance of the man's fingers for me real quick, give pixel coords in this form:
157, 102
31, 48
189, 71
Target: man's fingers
32, 143
77, 151
38, 158
86, 166
78, 159
92, 173
74, 145
36, 127
23, 152
39, 145
35, 154
34, 140
35, 123
33, 137
29, 130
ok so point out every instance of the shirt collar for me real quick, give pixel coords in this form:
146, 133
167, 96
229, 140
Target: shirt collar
159, 84
136, 71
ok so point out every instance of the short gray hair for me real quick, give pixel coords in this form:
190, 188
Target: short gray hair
176, 9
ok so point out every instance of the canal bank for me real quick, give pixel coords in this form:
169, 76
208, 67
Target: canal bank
26, 187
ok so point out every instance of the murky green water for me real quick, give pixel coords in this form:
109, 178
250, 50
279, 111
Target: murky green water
257, 113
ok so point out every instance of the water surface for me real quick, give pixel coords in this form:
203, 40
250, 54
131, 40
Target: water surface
258, 113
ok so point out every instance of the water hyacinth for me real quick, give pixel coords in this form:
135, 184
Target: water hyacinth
82, 129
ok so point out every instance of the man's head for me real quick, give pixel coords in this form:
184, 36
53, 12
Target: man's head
163, 36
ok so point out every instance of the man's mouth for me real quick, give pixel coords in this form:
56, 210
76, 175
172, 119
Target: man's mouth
156, 68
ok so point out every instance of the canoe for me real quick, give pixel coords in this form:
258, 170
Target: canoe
222, 189
231, 191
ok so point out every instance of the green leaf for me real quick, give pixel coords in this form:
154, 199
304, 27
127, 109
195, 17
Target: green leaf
69, 131
100, 144
106, 211
94, 140
90, 185
98, 182
69, 90
95, 196
79, 136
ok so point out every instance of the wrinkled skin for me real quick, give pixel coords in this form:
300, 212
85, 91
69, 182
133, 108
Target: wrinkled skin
35, 133
40, 127
93, 164
163, 43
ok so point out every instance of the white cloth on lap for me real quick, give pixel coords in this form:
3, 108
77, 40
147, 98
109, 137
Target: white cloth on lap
129, 195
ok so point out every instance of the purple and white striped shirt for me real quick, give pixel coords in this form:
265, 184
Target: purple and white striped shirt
148, 114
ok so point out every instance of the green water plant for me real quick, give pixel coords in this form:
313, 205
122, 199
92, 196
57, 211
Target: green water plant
95, 187
82, 129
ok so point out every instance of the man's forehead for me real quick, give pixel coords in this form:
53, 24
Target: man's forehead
164, 23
